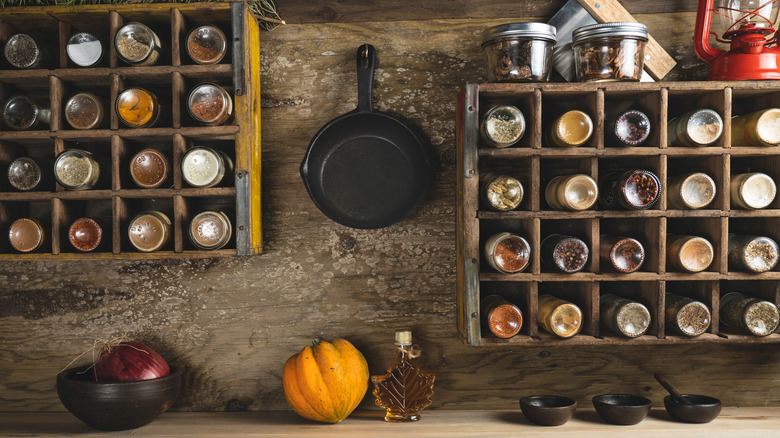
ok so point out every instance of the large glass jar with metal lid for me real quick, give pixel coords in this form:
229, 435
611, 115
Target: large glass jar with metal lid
205, 167
206, 44
76, 169
519, 52
698, 128
137, 44
209, 104
21, 113
752, 191
210, 230
25, 51
138, 108
502, 126
610, 51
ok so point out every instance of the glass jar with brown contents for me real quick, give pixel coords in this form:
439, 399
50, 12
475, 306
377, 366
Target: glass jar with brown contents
624, 316
519, 52
209, 104
26, 234
502, 193
210, 230
86, 111
137, 44
755, 316
24, 174
507, 253
621, 254
501, 317
609, 51
563, 253
559, 317
76, 169
138, 108
686, 316
150, 231
629, 128
21, 113
85, 234
206, 44
636, 189
502, 126
149, 168
689, 253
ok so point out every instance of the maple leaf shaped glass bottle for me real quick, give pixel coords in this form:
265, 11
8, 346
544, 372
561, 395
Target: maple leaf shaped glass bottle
404, 391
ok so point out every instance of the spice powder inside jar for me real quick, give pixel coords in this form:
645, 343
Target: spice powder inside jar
85, 234
507, 253
137, 107
210, 104
206, 44
210, 230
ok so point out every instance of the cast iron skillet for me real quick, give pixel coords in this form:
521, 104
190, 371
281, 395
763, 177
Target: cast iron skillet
366, 169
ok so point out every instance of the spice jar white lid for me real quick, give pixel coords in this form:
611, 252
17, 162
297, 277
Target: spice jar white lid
624, 29
522, 30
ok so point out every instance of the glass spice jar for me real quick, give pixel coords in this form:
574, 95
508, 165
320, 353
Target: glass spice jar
571, 192
507, 253
571, 129
138, 108
559, 317
23, 113
85, 234
689, 253
210, 230
24, 174
690, 191
501, 317
206, 44
149, 168
752, 253
629, 128
698, 128
752, 191
137, 44
149, 231
210, 105
24, 51
686, 316
621, 254
76, 169
502, 193
502, 126
609, 51
563, 253
86, 111
753, 315
84, 49
635, 189
26, 234
519, 52
759, 128
627, 317
205, 167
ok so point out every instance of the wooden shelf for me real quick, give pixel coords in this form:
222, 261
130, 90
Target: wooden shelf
757, 422
534, 164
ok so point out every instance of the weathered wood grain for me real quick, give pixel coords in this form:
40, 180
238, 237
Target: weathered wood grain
231, 323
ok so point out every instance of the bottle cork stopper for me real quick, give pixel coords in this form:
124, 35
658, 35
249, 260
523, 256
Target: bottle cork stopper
403, 336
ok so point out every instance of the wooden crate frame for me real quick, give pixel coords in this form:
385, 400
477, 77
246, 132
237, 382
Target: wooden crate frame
174, 75
532, 161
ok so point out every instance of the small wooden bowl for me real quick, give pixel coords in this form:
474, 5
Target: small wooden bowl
548, 410
702, 410
116, 405
623, 409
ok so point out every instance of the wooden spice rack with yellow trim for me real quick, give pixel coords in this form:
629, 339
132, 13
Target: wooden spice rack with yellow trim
117, 199
534, 163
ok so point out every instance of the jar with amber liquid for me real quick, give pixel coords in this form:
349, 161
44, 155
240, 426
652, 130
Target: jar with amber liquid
686, 316
571, 129
501, 317
689, 253
759, 128
138, 108
559, 317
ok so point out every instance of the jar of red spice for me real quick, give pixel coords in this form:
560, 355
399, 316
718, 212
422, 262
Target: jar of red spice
621, 254
564, 253
206, 44
636, 189
507, 253
209, 104
501, 317
629, 128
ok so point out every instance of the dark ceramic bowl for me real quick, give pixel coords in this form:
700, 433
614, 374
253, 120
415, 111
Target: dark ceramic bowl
548, 410
116, 405
623, 409
703, 410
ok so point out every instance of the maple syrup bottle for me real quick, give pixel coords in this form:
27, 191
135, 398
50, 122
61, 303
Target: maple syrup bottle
404, 391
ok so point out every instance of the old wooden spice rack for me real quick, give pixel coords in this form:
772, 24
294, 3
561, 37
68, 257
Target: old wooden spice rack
117, 199
534, 163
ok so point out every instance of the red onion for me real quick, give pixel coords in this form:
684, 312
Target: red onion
129, 361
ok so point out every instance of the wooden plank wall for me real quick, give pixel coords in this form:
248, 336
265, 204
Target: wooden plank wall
232, 323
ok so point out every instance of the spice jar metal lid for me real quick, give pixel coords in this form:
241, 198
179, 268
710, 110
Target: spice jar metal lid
206, 44
21, 112
24, 173
84, 111
149, 231
22, 51
768, 126
203, 167
623, 29
26, 234
522, 30
84, 49
403, 337
85, 234
75, 169
136, 43
210, 230
149, 168
137, 107
210, 104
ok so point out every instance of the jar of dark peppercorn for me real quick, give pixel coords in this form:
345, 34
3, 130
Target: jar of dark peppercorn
629, 128
753, 315
621, 254
507, 253
564, 253
501, 317
636, 189
24, 174
752, 253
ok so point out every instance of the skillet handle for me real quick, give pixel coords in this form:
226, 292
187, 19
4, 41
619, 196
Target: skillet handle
366, 61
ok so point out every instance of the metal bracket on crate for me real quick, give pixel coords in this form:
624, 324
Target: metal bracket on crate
471, 302
243, 215
237, 19
470, 133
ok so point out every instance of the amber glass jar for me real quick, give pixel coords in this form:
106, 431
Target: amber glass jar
205, 167
571, 129
636, 189
755, 316
702, 127
210, 105
507, 253
24, 174
501, 317
571, 192
621, 254
563, 253
138, 108
150, 231
686, 316
206, 44
85, 234
559, 317
210, 230
689, 253
26, 234
502, 193
760, 128
690, 191
86, 111
752, 253
502, 126
627, 317
149, 168
21, 113
752, 191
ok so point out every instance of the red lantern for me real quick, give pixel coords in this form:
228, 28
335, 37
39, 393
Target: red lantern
750, 29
